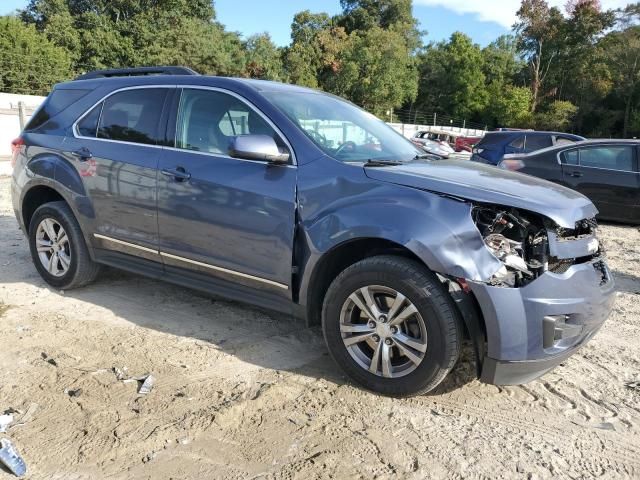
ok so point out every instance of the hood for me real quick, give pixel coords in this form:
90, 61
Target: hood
488, 184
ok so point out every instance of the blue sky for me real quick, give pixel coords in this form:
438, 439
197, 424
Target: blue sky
483, 20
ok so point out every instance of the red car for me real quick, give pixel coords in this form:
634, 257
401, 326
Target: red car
465, 144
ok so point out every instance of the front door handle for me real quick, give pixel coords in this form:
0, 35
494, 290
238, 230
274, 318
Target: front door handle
178, 173
576, 174
83, 154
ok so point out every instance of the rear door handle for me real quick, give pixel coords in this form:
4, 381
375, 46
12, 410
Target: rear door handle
178, 173
83, 154
576, 174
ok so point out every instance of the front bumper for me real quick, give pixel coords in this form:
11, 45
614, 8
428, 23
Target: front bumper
523, 342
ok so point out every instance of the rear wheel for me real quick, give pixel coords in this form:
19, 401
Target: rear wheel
392, 326
58, 249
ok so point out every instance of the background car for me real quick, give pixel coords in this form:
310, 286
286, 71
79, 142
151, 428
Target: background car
495, 145
466, 144
431, 144
606, 171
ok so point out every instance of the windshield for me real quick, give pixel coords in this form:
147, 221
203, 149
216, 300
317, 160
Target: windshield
342, 130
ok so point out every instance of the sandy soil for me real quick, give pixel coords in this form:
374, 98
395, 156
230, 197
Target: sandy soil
245, 394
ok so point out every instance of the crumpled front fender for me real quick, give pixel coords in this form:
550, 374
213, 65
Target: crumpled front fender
438, 229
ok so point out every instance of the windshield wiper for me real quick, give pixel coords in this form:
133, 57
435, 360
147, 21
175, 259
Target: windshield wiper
425, 156
381, 163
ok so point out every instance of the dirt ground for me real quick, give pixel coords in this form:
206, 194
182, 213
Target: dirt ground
241, 393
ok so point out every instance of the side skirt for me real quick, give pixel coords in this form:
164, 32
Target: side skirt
204, 283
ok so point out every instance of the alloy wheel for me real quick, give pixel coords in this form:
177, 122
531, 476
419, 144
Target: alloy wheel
383, 331
54, 249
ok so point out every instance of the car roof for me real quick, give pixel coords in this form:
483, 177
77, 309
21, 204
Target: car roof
583, 143
516, 133
200, 80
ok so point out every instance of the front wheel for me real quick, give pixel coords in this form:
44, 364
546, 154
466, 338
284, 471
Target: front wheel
392, 326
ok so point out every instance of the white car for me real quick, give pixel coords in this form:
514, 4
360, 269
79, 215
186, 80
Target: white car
435, 147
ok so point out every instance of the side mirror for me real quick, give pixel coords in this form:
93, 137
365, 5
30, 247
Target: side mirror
257, 147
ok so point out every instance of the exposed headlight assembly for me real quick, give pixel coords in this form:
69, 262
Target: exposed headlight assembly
518, 240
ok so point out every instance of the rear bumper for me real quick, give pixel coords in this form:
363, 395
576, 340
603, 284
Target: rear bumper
533, 329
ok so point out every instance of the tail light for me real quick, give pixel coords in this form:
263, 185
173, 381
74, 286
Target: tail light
511, 164
16, 147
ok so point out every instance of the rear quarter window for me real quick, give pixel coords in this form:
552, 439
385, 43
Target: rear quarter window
518, 142
55, 103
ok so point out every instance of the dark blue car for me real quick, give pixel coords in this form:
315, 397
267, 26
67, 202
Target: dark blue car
297, 201
495, 145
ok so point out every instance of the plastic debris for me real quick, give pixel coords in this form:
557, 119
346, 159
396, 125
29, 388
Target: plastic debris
74, 392
11, 459
605, 426
147, 385
27, 415
5, 420
48, 359
121, 373
634, 385
146, 381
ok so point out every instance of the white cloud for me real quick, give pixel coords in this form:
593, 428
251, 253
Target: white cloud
502, 12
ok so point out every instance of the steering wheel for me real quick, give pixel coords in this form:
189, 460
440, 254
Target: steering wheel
351, 145
318, 137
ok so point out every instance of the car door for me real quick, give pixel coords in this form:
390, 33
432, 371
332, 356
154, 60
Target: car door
116, 150
227, 219
608, 176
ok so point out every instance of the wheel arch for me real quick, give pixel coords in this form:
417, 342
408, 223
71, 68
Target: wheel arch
35, 197
337, 259
349, 252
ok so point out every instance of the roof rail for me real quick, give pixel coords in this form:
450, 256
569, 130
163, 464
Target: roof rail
139, 71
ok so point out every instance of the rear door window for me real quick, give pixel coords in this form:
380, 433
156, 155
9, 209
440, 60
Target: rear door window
538, 142
570, 157
610, 157
133, 116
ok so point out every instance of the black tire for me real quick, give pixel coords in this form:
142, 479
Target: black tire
82, 270
434, 304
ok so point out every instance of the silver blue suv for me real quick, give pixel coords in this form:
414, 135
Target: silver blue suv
297, 201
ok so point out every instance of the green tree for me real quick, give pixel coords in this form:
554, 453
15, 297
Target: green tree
500, 61
452, 79
622, 53
539, 31
511, 107
264, 58
396, 15
556, 116
303, 58
373, 70
29, 63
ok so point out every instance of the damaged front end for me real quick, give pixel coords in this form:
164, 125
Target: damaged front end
529, 245
550, 296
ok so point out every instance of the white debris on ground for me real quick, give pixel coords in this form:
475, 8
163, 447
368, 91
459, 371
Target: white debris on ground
240, 393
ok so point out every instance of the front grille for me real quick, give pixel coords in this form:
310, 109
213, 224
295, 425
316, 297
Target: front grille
560, 266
